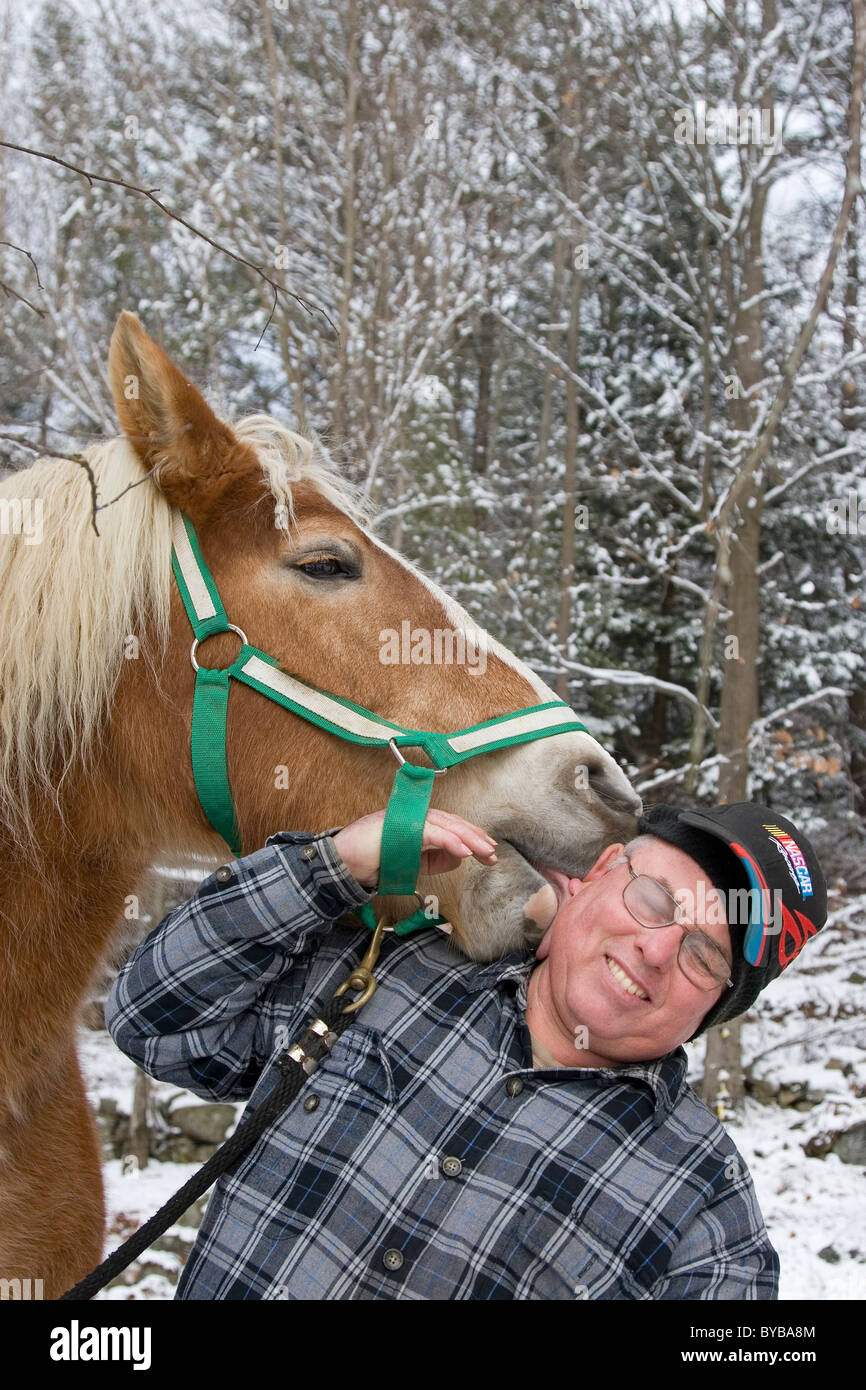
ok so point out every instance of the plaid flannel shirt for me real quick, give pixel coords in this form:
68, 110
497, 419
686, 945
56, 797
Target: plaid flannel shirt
426, 1158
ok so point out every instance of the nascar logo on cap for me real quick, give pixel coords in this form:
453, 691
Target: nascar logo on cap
794, 857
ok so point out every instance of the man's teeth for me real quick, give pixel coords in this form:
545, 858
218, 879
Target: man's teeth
619, 974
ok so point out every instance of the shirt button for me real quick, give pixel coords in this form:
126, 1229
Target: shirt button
451, 1167
392, 1259
309, 852
514, 1085
311, 1104
224, 875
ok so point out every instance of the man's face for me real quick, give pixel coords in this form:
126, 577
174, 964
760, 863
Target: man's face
594, 942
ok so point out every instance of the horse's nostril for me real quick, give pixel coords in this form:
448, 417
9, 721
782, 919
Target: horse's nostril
615, 792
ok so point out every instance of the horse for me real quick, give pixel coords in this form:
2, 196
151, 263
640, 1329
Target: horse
96, 782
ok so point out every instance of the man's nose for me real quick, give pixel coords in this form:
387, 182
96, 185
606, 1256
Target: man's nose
660, 946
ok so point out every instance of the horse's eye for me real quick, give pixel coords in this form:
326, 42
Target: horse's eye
325, 567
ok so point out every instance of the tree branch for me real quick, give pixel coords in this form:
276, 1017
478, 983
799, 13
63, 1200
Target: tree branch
150, 194
82, 462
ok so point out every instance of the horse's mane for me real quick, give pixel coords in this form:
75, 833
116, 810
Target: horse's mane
69, 604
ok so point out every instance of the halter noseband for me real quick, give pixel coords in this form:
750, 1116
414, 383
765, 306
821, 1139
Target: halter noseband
413, 785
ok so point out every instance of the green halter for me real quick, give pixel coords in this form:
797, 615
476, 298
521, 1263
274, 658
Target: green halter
412, 786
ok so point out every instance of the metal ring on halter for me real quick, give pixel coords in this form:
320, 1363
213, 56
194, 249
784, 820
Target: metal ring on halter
230, 628
437, 771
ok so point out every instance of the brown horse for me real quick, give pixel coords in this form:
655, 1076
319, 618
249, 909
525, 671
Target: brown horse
95, 712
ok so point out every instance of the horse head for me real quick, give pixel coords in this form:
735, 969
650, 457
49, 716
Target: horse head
298, 569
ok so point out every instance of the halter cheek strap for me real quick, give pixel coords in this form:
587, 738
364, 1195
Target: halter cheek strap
413, 785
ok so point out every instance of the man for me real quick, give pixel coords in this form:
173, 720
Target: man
521, 1129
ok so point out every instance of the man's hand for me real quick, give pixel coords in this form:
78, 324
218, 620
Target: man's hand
447, 840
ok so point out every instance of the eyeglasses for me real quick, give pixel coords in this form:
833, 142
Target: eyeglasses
702, 962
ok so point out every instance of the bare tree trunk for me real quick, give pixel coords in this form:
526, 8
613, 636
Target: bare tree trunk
572, 426
139, 1138
538, 477
395, 539
711, 613
723, 1084
341, 411
486, 344
572, 166
857, 764
850, 418
291, 361
376, 346
657, 728
723, 1071
486, 332
850, 413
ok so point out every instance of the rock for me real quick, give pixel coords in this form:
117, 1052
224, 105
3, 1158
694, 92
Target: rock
175, 1245
810, 1100
787, 1095
193, 1216
850, 1146
819, 1145
113, 1124
177, 1148
855, 978
829, 1254
764, 1092
93, 1016
835, 1064
207, 1124
141, 1270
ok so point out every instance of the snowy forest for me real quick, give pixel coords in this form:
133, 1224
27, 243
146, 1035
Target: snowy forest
572, 292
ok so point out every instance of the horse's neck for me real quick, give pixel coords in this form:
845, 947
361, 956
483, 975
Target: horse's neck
56, 925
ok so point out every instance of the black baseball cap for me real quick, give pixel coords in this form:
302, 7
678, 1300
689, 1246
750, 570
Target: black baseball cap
746, 846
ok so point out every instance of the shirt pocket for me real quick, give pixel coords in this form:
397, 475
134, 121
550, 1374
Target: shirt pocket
576, 1254
360, 1060
550, 1259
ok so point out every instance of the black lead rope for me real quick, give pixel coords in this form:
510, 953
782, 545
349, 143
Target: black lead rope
296, 1063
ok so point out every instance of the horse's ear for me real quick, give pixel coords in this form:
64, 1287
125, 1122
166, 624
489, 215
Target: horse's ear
169, 423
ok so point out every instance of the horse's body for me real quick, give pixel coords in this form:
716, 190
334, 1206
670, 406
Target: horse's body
95, 711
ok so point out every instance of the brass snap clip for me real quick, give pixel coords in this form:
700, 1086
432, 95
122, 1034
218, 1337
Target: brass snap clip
362, 976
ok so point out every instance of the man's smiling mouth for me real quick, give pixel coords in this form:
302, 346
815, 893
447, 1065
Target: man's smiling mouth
629, 985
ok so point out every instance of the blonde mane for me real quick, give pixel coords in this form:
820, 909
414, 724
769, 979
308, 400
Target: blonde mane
71, 602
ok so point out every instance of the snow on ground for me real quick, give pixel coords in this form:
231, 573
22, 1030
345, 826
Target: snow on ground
133, 1195
809, 1204
809, 1016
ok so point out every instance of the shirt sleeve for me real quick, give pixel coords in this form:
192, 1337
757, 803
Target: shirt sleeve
724, 1254
194, 1003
